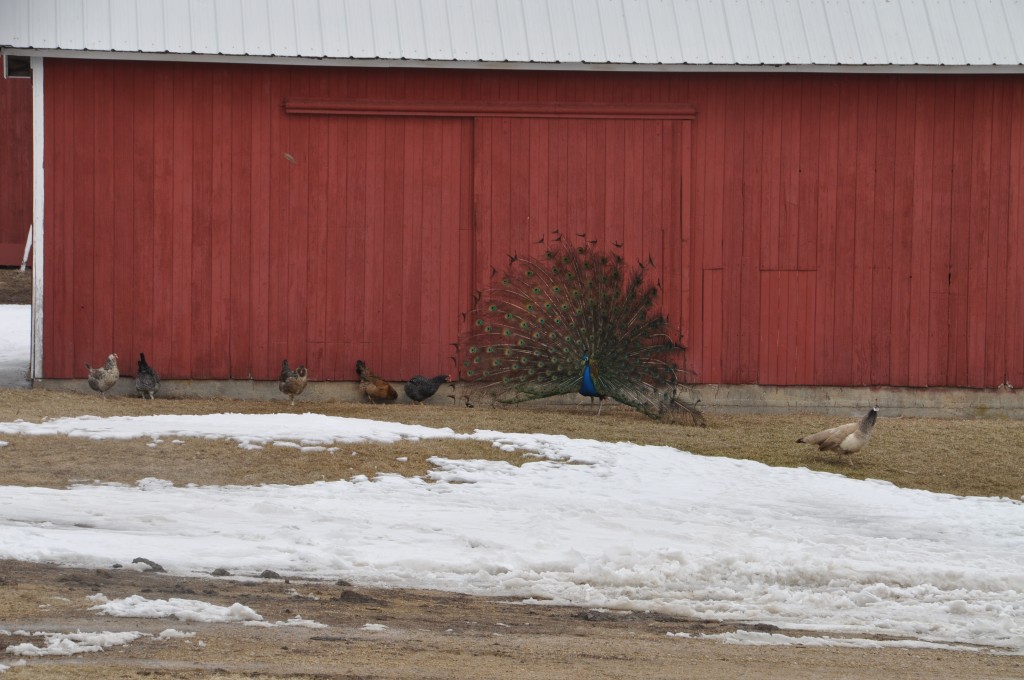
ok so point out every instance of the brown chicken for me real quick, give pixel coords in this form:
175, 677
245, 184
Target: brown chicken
844, 439
376, 389
292, 382
102, 379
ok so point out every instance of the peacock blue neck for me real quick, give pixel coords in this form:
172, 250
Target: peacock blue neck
588, 388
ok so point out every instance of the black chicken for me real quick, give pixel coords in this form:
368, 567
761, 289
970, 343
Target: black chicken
292, 382
419, 389
147, 382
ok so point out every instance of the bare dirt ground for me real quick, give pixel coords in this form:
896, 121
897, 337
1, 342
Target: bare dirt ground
435, 634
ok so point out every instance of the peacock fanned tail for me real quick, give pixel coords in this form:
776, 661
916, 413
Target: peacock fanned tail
533, 329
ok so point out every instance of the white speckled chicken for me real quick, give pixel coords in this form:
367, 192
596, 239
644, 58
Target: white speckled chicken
102, 379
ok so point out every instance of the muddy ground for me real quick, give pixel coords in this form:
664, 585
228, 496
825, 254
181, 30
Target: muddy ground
416, 634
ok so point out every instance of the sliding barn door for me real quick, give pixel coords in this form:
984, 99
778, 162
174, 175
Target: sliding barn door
623, 182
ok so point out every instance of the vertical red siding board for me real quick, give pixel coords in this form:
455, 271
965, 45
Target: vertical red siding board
902, 254
219, 361
615, 178
671, 269
162, 266
960, 236
85, 251
846, 206
300, 300
771, 175
15, 167
751, 136
122, 217
810, 143
735, 362
996, 329
696, 350
264, 151
437, 310
944, 179
595, 221
1015, 244
500, 200
653, 178
240, 244
182, 218
920, 264
882, 238
576, 198
201, 258
357, 313
103, 296
789, 220
520, 170
415, 288
388, 252
539, 204
711, 327
467, 224
765, 316
143, 213
714, 195
317, 287
867, 129
341, 255
484, 151
632, 200
280, 240
826, 219
980, 233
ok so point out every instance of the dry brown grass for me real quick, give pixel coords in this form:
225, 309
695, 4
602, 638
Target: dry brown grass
966, 457
15, 286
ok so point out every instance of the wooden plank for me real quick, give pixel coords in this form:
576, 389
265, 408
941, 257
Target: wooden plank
902, 226
415, 250
121, 215
711, 327
539, 206
1015, 244
737, 366
919, 298
940, 274
431, 312
845, 327
319, 293
807, 184
861, 255
771, 176
103, 296
826, 219
242, 227
882, 238
385, 251
219, 360
960, 236
200, 259
293, 267
996, 329
979, 234
792, 131
181, 220
264, 152
85, 250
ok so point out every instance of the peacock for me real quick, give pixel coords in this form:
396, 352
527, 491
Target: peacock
576, 320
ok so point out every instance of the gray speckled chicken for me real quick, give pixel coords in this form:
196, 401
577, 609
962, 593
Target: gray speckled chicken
102, 379
147, 381
292, 382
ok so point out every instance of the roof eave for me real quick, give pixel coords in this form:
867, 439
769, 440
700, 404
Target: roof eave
976, 69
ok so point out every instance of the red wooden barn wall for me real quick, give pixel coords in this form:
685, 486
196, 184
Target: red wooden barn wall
15, 167
809, 229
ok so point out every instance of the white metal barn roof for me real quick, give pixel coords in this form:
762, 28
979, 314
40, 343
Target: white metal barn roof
632, 34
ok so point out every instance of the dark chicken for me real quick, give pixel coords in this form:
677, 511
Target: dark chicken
419, 388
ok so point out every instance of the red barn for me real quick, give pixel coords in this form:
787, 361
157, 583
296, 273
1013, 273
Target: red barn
15, 167
832, 193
